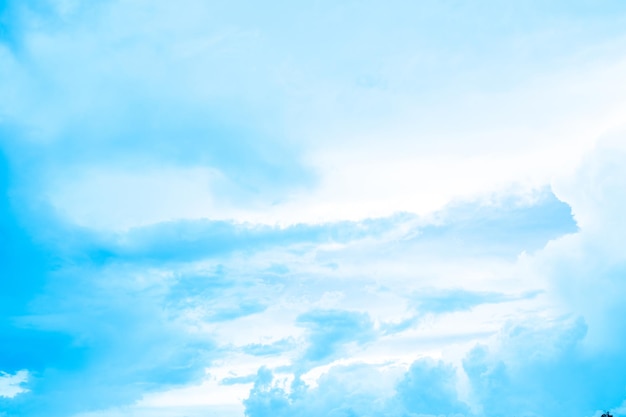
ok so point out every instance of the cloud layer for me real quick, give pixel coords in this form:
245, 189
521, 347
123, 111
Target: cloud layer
355, 209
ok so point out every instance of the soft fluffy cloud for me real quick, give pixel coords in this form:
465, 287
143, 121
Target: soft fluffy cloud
586, 269
531, 370
12, 385
539, 366
193, 192
153, 315
427, 388
287, 136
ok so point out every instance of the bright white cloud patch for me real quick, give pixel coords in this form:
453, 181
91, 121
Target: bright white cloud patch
13, 384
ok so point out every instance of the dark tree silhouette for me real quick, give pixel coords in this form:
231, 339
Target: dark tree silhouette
607, 414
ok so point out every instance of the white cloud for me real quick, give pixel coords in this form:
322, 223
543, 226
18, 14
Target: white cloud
133, 114
585, 270
372, 151
13, 384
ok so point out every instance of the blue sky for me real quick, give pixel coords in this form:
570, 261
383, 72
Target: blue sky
325, 208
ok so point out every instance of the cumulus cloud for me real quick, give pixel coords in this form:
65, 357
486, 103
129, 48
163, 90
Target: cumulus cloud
428, 388
542, 369
532, 370
164, 302
586, 269
139, 318
330, 193
534, 367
